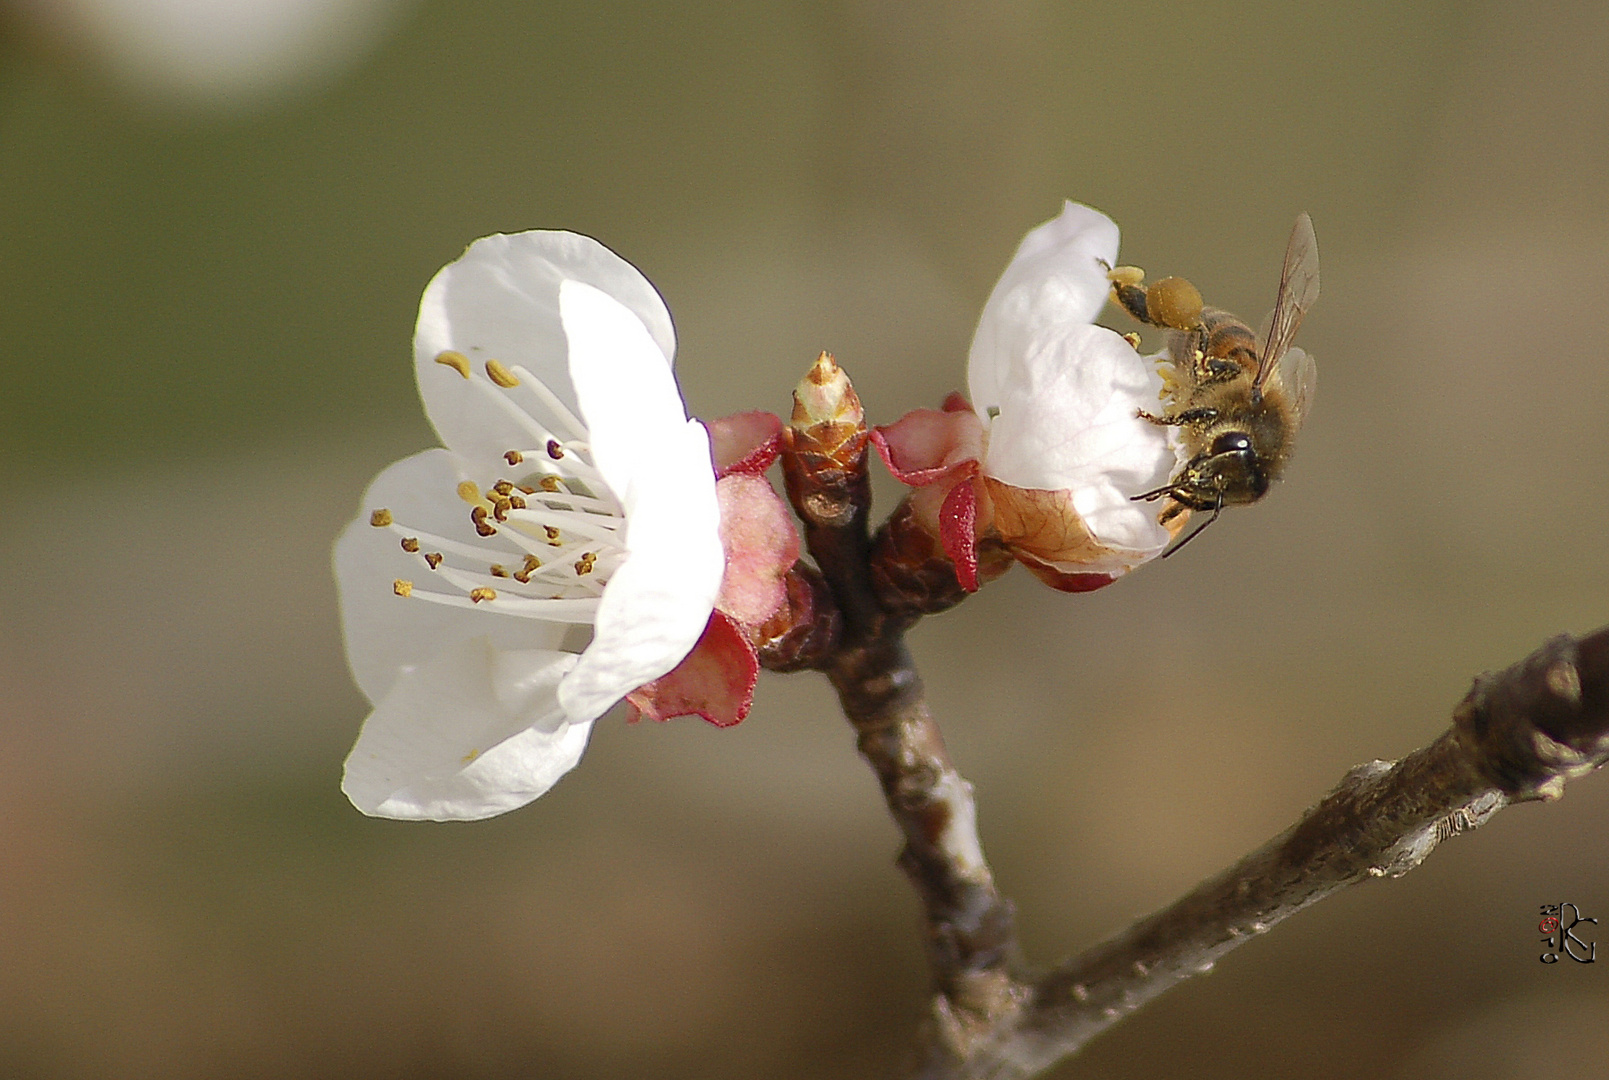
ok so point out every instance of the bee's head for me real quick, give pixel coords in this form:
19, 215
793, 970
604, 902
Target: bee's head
1227, 473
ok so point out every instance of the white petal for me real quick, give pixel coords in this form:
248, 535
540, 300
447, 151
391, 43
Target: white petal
659, 600
657, 463
1055, 279
500, 301
1127, 527
388, 635
1068, 420
627, 395
474, 732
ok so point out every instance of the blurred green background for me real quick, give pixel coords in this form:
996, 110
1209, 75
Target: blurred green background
207, 296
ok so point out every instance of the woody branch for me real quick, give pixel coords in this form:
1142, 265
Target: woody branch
880, 586
1518, 736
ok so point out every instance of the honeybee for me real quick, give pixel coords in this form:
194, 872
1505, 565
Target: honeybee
1236, 399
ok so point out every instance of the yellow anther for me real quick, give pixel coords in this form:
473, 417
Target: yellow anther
410, 544
503, 487
517, 501
584, 564
469, 491
549, 483
523, 575
380, 518
402, 588
434, 559
500, 375
455, 360
513, 457
555, 451
467, 758
1125, 275
532, 563
1133, 340
501, 509
498, 571
477, 595
553, 535
482, 526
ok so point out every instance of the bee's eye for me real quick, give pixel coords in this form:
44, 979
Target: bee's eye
1231, 442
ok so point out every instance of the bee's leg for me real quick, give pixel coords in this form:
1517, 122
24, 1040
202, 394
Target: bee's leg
1172, 303
1206, 368
1182, 418
1128, 292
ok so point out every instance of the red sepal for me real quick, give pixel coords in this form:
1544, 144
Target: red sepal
745, 443
714, 681
958, 519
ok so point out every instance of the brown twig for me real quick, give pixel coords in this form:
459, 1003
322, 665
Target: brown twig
969, 925
1519, 735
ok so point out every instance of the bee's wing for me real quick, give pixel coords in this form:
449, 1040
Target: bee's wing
1297, 376
1298, 288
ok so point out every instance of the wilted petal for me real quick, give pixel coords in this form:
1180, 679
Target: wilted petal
1062, 581
1054, 528
500, 301
1055, 279
475, 731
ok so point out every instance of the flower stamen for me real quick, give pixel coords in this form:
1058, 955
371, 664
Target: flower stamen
550, 401
455, 360
500, 375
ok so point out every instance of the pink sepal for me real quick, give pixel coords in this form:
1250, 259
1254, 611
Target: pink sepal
745, 443
714, 681
927, 445
761, 546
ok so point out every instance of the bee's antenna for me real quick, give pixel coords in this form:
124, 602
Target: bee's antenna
1217, 509
1152, 496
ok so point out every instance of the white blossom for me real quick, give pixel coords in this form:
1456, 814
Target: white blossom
501, 594
1060, 397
